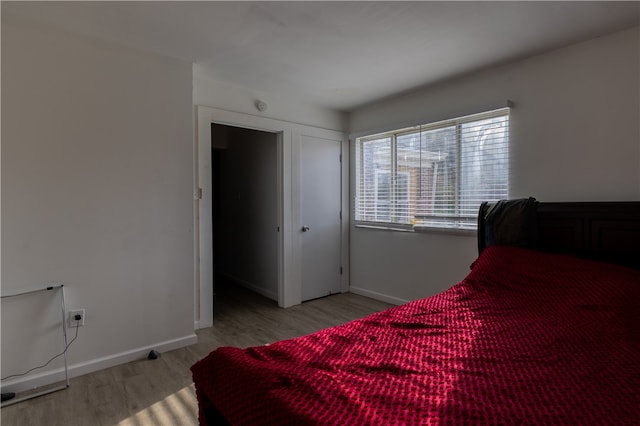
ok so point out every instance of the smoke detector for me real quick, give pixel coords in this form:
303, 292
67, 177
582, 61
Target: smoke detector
261, 105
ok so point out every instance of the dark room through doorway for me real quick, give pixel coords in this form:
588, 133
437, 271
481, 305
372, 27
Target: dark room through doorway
245, 209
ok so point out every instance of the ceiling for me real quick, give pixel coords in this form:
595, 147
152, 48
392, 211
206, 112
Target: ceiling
339, 55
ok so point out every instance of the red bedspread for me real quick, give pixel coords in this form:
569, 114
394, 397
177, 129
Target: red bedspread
526, 338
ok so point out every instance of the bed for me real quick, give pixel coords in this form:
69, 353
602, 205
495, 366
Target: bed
542, 331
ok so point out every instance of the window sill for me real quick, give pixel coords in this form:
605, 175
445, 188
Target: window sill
420, 229
383, 227
424, 229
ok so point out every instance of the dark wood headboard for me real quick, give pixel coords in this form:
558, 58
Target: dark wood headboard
607, 231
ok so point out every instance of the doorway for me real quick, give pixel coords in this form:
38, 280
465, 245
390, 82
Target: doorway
245, 227
290, 238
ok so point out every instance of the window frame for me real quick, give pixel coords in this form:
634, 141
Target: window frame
458, 223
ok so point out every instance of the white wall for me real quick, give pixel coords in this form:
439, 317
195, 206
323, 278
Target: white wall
246, 233
575, 137
210, 92
97, 178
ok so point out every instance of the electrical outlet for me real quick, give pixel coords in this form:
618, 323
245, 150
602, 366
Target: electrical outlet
72, 317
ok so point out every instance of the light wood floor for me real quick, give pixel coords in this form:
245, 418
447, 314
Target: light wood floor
161, 392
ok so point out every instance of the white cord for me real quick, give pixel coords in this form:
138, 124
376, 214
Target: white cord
48, 362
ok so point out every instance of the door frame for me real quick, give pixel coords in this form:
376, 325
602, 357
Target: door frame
289, 220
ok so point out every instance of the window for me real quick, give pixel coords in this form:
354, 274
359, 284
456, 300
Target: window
433, 175
383, 197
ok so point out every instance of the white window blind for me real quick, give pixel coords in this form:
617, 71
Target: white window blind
433, 175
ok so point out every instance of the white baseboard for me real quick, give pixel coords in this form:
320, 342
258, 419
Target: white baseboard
377, 296
266, 293
53, 376
261, 291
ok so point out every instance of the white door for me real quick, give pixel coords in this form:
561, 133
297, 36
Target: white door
320, 199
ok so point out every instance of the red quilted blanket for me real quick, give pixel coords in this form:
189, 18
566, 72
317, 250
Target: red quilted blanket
526, 338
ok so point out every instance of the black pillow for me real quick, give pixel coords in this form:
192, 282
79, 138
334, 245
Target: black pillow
512, 222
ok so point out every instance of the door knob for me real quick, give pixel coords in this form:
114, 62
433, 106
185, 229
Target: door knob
305, 229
